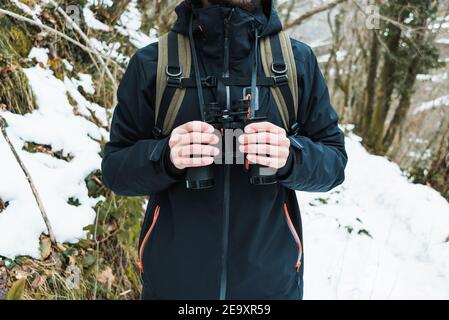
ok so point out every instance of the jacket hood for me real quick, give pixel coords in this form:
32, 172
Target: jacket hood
214, 15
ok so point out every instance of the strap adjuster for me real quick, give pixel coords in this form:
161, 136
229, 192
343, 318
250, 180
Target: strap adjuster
157, 132
174, 82
210, 81
280, 80
279, 68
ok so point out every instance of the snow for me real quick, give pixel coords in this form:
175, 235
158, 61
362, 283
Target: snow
105, 3
439, 102
109, 49
397, 247
67, 65
57, 180
129, 25
92, 22
40, 54
442, 41
33, 12
433, 77
341, 55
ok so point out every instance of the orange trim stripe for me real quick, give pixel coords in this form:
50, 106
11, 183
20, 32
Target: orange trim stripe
295, 235
147, 235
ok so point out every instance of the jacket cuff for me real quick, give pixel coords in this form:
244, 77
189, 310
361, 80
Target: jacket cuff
285, 171
160, 155
170, 168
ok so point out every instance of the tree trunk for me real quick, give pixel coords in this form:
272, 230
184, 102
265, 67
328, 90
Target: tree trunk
371, 82
385, 90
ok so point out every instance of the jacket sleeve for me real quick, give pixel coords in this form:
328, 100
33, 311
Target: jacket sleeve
134, 163
318, 158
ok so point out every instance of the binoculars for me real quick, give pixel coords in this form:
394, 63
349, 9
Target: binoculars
225, 121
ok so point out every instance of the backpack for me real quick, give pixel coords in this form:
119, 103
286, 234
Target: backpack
173, 78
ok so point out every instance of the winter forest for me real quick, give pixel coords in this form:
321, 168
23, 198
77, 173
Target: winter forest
383, 234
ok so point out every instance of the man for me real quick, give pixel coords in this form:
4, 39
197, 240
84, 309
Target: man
234, 240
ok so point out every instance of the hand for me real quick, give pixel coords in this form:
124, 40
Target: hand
265, 144
191, 145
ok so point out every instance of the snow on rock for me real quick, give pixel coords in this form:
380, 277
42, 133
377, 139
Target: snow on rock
378, 236
57, 180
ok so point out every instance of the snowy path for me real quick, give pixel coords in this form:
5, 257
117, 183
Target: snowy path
377, 236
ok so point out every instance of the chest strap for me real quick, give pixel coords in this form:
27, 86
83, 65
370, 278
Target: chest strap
212, 81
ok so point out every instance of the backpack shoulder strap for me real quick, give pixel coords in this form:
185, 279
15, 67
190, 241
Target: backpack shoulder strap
174, 63
278, 60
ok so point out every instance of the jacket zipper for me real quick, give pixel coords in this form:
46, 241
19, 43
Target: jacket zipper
295, 236
147, 235
226, 192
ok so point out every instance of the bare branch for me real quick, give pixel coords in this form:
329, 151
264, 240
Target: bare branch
54, 31
313, 12
76, 27
30, 181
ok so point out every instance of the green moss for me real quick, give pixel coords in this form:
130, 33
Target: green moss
21, 41
15, 93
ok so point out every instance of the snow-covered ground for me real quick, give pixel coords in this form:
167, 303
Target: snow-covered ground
378, 236
53, 124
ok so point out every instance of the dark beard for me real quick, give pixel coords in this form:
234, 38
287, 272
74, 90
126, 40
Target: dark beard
249, 5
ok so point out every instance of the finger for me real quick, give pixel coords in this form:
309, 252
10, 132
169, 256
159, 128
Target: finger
182, 162
194, 126
264, 127
197, 138
265, 149
264, 138
196, 150
275, 163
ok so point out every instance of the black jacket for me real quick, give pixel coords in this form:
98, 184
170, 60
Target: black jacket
235, 240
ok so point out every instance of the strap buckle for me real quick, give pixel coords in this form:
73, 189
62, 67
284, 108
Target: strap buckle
210, 81
279, 68
280, 80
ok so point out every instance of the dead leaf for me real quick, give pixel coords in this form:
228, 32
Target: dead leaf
55, 260
106, 277
38, 281
17, 289
45, 248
